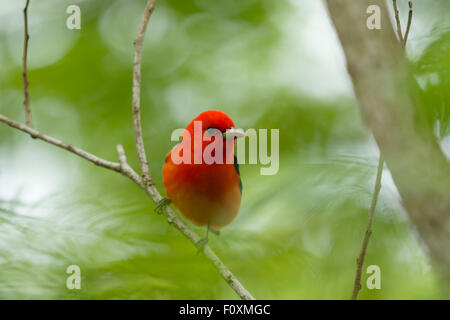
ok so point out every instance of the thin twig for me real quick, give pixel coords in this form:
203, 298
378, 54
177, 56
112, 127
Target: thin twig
397, 19
84, 154
408, 26
360, 260
145, 170
362, 255
173, 219
148, 185
179, 224
124, 168
390, 115
26, 101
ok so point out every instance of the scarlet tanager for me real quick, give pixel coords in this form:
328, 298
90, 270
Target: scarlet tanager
205, 193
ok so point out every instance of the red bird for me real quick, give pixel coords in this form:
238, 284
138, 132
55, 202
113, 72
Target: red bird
206, 194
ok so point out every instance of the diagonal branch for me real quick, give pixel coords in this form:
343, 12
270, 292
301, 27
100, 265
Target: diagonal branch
376, 192
124, 168
26, 101
362, 255
179, 224
148, 185
387, 98
408, 26
397, 19
56, 142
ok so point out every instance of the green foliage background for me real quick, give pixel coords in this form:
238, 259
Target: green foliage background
298, 233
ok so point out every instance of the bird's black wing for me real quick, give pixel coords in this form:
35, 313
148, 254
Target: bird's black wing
236, 167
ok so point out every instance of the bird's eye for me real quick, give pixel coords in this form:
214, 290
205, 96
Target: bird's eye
213, 131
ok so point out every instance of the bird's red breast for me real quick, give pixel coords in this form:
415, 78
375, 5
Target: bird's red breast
205, 193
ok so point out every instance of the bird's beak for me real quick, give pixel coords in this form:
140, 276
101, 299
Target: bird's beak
234, 133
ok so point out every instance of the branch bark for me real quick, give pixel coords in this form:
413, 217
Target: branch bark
376, 192
26, 101
124, 168
368, 233
56, 142
138, 43
389, 104
144, 181
397, 20
147, 183
408, 24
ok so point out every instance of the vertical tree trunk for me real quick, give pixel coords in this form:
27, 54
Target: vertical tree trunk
387, 97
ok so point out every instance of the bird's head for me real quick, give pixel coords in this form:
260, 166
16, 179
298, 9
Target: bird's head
206, 129
215, 122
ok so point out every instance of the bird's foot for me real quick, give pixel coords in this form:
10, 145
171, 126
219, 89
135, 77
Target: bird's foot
201, 244
164, 202
217, 233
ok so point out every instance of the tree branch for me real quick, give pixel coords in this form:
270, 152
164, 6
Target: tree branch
26, 101
408, 26
145, 170
56, 142
388, 101
148, 185
124, 168
397, 19
362, 255
179, 224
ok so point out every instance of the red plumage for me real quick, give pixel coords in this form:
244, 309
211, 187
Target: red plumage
205, 193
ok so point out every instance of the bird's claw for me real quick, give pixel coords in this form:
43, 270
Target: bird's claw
201, 244
164, 202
